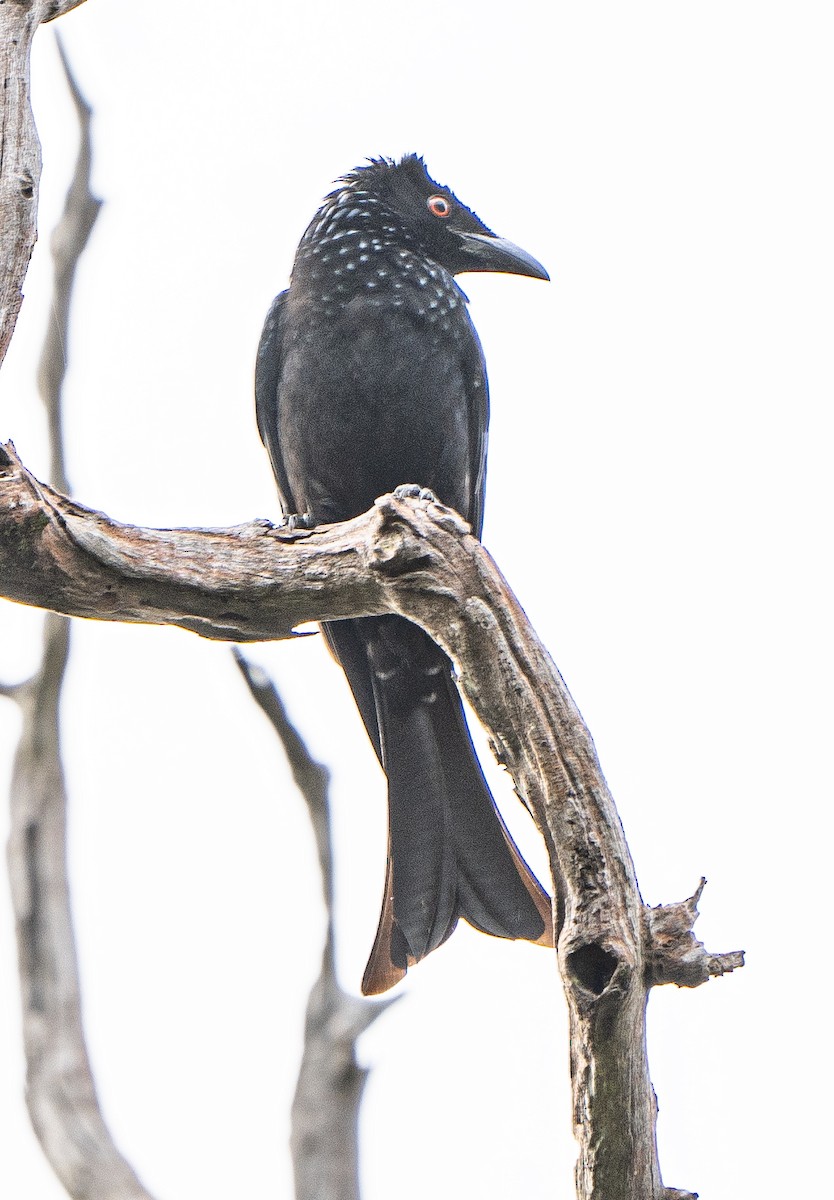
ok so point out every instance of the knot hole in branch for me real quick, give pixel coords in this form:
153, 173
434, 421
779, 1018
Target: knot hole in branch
592, 967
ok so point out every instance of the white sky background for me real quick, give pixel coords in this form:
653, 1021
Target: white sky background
658, 497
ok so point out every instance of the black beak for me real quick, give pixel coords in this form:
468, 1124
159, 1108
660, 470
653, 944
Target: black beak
487, 253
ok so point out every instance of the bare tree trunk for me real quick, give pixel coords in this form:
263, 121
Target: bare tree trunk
61, 1092
20, 163
20, 153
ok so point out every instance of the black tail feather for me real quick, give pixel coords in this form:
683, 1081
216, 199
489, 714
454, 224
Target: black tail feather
449, 853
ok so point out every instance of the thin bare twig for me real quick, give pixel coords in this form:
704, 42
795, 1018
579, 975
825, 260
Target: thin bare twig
68, 242
325, 1110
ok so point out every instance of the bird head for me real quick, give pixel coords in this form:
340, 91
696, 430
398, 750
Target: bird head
431, 215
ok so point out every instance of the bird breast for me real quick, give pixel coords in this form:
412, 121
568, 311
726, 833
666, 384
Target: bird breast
380, 402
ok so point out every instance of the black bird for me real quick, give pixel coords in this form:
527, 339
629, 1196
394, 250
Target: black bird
369, 376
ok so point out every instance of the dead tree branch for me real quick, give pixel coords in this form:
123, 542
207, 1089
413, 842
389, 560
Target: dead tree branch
20, 163
20, 153
325, 1111
237, 585
68, 242
61, 1092
418, 560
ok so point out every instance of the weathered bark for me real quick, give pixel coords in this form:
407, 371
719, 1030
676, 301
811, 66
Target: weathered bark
419, 560
240, 584
20, 153
20, 163
256, 582
60, 1090
61, 1093
325, 1113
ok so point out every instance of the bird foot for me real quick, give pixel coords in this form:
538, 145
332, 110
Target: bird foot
293, 521
413, 491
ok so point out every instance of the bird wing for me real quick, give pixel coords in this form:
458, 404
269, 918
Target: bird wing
478, 400
268, 366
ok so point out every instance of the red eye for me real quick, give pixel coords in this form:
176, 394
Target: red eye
439, 206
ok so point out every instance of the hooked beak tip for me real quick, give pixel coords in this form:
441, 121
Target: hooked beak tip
489, 253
